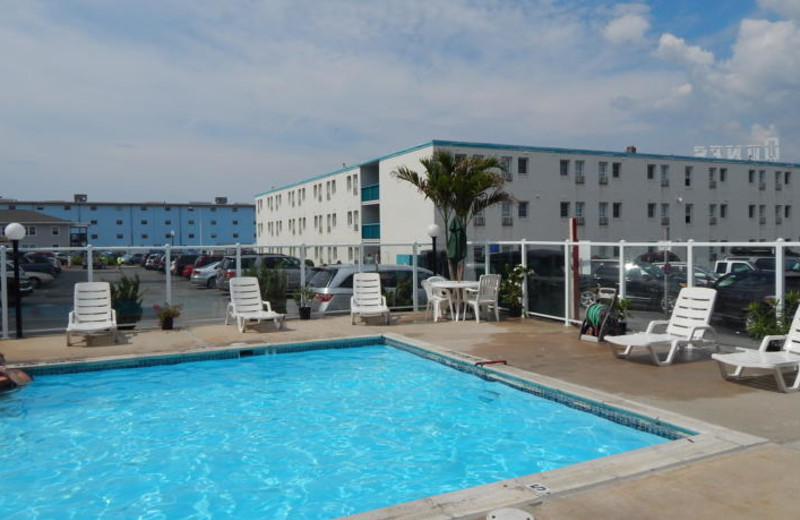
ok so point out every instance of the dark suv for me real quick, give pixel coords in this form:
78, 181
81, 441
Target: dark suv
644, 284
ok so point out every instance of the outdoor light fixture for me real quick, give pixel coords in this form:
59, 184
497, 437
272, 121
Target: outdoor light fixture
16, 232
433, 232
172, 236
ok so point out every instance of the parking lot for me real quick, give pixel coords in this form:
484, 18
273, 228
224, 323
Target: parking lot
46, 310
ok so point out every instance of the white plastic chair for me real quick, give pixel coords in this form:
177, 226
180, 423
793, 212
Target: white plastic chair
92, 311
246, 303
778, 363
437, 298
687, 328
367, 299
485, 296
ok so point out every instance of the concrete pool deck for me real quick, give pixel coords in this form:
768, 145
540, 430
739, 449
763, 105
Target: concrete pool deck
755, 481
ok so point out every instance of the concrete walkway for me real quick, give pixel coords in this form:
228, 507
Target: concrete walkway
755, 482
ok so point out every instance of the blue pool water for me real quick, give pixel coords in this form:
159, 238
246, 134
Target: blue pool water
311, 435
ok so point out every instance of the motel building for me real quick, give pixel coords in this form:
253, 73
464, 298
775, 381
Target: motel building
613, 196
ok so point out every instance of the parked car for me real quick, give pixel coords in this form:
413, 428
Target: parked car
736, 290
333, 286
645, 284
205, 276
39, 279
31, 262
51, 257
678, 270
181, 261
200, 261
25, 287
290, 264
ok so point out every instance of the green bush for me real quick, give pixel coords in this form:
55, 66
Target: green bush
273, 284
762, 320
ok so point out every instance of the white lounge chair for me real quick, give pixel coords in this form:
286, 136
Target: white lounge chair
367, 299
438, 298
92, 311
687, 328
779, 362
246, 304
485, 296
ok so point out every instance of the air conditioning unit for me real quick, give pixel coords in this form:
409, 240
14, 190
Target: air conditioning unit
712, 221
603, 221
479, 221
604, 179
712, 185
778, 220
665, 182
778, 187
580, 220
508, 221
762, 186
665, 221
580, 179
762, 220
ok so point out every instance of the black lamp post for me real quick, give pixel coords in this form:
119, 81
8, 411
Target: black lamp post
433, 232
16, 232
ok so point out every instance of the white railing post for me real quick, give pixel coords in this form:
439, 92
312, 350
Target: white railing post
168, 273
414, 277
4, 289
523, 251
238, 259
486, 249
361, 257
568, 281
690, 263
89, 263
779, 279
302, 265
621, 281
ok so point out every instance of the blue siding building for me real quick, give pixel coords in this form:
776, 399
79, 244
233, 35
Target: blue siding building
125, 224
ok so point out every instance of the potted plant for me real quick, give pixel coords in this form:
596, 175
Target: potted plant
167, 313
762, 317
510, 293
126, 298
303, 296
622, 310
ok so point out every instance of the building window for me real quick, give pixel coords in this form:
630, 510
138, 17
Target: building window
31, 230
712, 210
235, 222
143, 208
786, 177
687, 176
145, 235
191, 222
665, 174
94, 236
723, 211
92, 208
751, 211
762, 178
143, 222
505, 161
66, 208
191, 235
564, 167
616, 210
119, 222
616, 168
651, 172
689, 213
579, 206
522, 209
712, 175
119, 235
564, 209
723, 174
236, 235
213, 222
751, 176
55, 231
787, 211
664, 210
522, 165
93, 222
777, 180
505, 209
651, 210
167, 208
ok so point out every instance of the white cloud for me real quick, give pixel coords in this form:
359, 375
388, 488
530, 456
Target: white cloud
787, 8
628, 28
675, 49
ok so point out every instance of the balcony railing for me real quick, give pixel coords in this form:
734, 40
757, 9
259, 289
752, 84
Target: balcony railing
370, 193
371, 231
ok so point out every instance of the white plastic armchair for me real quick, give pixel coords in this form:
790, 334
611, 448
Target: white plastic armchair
485, 296
438, 298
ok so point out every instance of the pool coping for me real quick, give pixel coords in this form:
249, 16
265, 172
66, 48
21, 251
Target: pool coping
472, 503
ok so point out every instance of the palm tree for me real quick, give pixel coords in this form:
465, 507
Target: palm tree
459, 189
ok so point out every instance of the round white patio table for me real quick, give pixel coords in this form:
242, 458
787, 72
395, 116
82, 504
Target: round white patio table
457, 289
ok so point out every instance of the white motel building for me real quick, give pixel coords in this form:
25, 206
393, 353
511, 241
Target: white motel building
614, 196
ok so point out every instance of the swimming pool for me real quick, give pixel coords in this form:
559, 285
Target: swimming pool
307, 434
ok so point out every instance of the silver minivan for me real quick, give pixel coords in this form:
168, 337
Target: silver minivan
333, 286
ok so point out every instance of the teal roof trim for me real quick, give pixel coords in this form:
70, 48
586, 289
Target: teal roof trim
575, 151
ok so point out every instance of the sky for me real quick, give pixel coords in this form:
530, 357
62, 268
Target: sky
187, 100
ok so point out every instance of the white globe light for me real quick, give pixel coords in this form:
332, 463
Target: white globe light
15, 231
433, 230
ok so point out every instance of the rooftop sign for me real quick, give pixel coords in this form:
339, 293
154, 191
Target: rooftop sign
769, 151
